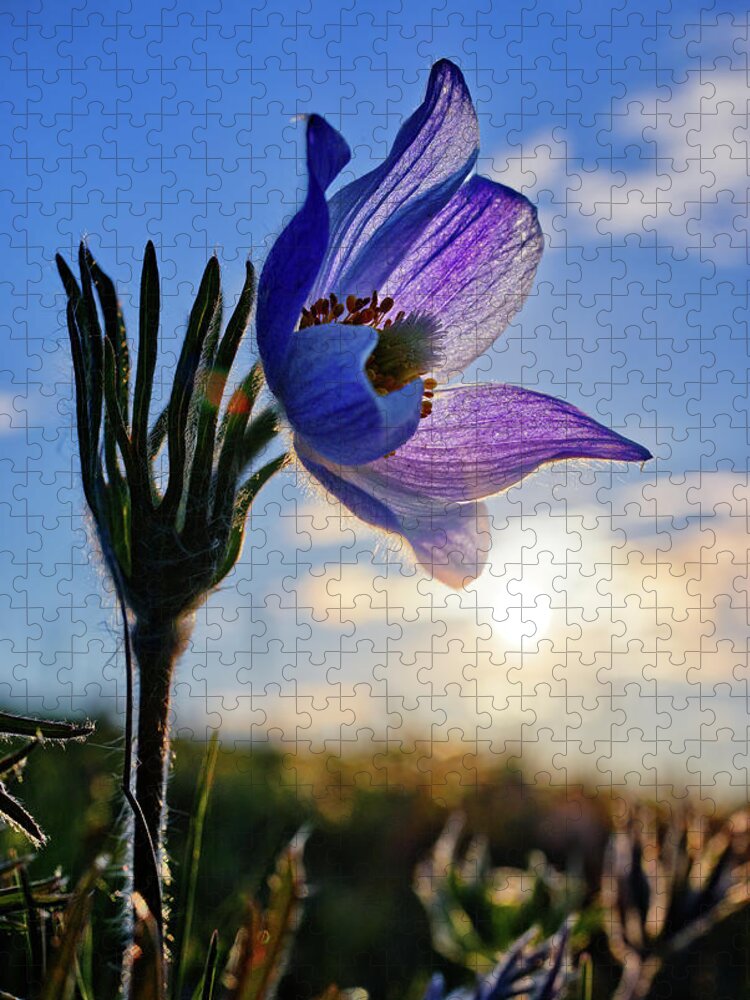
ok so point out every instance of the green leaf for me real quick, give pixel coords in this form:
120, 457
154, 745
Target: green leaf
201, 316
15, 814
206, 987
262, 431
87, 446
114, 328
191, 863
231, 435
34, 934
236, 327
85, 965
212, 393
158, 434
60, 983
243, 501
91, 343
148, 343
21, 725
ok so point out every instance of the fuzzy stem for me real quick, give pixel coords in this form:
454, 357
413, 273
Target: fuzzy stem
157, 644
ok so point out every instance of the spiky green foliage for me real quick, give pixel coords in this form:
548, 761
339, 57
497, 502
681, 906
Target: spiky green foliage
166, 548
477, 912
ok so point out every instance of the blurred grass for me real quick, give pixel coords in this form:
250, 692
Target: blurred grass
372, 821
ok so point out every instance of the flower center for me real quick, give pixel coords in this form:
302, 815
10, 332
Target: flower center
407, 348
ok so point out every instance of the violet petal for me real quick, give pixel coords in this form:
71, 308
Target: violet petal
482, 439
331, 403
295, 258
379, 215
450, 541
471, 269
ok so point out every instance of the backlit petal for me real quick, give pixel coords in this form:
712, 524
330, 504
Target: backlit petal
296, 256
471, 268
377, 217
482, 439
450, 541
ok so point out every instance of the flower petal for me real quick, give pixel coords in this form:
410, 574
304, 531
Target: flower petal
295, 258
471, 269
451, 541
331, 403
375, 218
482, 439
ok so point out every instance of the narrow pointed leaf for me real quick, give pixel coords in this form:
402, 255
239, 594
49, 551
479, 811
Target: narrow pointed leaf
114, 328
158, 434
245, 496
20, 725
201, 316
261, 432
114, 413
70, 284
207, 987
236, 327
231, 436
148, 341
14, 813
86, 444
91, 343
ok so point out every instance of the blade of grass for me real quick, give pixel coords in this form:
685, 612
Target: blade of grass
85, 965
61, 979
191, 863
207, 985
35, 934
260, 971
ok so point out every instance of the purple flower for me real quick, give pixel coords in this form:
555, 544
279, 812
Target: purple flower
371, 299
535, 971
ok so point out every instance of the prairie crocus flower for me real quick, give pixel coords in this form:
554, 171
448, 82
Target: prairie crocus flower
372, 301
535, 970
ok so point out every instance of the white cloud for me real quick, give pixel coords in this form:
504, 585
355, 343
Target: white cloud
688, 181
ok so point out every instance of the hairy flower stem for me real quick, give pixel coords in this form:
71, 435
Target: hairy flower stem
157, 644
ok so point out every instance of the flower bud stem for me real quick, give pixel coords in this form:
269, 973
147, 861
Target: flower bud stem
157, 645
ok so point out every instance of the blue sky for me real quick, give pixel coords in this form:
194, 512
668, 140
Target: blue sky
626, 125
